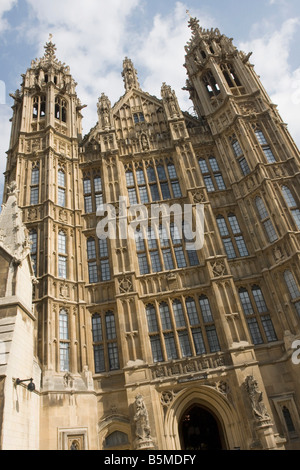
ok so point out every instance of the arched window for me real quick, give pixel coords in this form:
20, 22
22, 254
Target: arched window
239, 154
181, 329
292, 205
211, 84
62, 255
212, 175
266, 220
291, 285
92, 262
116, 439
230, 76
64, 341
265, 146
232, 237
34, 184
39, 107
256, 312
288, 420
61, 181
60, 109
106, 356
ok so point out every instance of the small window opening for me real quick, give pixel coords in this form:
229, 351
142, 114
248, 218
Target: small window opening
288, 419
203, 54
211, 85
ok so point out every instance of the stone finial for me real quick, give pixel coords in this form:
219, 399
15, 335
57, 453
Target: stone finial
129, 75
50, 49
104, 112
170, 99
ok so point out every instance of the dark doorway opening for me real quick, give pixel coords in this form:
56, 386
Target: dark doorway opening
199, 430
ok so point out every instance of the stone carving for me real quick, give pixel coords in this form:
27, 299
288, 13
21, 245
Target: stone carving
222, 387
170, 98
141, 419
104, 111
125, 285
256, 398
278, 254
219, 269
166, 398
198, 197
68, 380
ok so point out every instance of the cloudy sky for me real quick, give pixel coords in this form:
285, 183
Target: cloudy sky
94, 36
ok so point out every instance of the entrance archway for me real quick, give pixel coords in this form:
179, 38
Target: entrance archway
199, 430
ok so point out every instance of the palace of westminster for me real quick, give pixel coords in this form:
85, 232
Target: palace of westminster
149, 342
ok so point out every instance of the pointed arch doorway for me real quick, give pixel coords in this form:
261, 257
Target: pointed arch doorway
200, 430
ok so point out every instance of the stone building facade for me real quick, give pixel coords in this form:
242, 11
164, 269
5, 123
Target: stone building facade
150, 341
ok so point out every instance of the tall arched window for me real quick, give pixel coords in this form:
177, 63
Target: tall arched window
256, 312
212, 175
230, 75
61, 181
34, 184
265, 146
232, 237
39, 107
293, 289
239, 154
106, 356
60, 109
211, 84
64, 340
292, 205
62, 255
266, 220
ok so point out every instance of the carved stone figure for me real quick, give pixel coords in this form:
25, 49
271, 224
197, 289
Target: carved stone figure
256, 398
141, 419
142, 432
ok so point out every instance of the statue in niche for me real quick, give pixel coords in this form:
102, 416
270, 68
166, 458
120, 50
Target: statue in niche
144, 142
74, 445
256, 398
141, 419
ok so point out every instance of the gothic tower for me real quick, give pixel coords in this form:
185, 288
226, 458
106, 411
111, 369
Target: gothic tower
145, 331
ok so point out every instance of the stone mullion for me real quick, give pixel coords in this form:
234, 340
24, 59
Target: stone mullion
188, 325
221, 322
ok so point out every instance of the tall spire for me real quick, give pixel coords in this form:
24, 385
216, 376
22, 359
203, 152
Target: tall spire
130, 75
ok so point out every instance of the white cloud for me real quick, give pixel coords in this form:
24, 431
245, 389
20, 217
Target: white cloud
92, 40
271, 57
5, 6
95, 40
162, 52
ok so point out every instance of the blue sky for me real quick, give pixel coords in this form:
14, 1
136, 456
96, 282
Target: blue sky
94, 36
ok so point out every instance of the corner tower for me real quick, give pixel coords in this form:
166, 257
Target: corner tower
43, 159
260, 200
